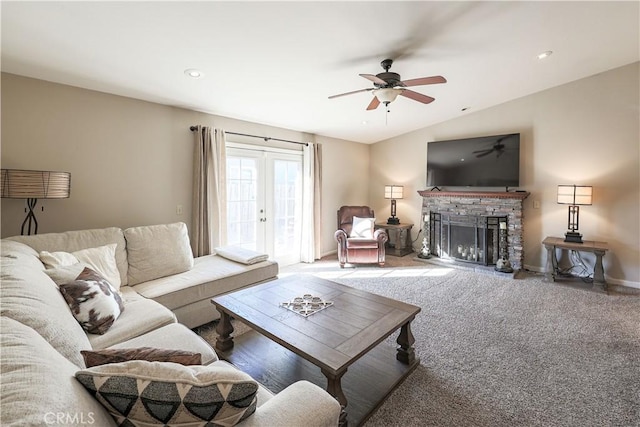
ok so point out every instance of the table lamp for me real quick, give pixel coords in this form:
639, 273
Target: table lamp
393, 192
574, 196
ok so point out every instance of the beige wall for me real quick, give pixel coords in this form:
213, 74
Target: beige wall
585, 132
131, 161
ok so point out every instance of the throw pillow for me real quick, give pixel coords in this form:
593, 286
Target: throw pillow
93, 301
101, 259
150, 354
163, 393
65, 274
362, 227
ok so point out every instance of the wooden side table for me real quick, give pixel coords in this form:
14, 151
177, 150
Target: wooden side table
399, 243
598, 248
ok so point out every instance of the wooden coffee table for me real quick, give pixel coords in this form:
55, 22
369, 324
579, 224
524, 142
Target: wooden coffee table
346, 334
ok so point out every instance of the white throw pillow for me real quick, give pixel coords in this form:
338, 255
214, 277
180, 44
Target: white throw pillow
362, 227
101, 259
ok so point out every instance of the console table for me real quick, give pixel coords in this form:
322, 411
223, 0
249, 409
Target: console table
598, 248
399, 243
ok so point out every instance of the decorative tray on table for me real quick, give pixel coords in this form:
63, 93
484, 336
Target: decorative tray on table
306, 305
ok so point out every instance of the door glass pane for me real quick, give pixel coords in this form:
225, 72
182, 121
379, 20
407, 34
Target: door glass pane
242, 184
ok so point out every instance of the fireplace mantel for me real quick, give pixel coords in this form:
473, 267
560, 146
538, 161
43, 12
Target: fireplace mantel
521, 195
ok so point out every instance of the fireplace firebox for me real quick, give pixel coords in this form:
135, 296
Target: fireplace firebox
468, 238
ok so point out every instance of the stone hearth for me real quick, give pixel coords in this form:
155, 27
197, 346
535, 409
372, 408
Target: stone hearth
507, 205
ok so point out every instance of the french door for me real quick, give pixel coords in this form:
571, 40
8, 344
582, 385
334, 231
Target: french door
264, 201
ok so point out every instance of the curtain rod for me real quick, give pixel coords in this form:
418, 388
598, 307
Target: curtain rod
265, 138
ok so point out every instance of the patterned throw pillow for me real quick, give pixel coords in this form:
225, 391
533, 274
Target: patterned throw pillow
163, 393
93, 301
150, 354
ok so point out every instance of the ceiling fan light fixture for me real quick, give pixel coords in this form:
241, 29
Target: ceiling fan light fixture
387, 95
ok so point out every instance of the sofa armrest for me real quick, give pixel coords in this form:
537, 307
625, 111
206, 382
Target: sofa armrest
300, 404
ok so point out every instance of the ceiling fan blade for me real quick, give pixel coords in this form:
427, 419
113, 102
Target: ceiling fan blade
417, 96
349, 93
374, 79
488, 150
374, 103
424, 81
484, 154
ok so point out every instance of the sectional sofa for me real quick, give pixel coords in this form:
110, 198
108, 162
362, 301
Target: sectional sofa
161, 292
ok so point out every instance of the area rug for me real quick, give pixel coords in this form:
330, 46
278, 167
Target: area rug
497, 352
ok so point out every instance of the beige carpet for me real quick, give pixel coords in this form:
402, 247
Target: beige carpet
502, 352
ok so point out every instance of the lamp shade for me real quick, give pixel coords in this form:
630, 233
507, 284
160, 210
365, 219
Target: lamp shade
575, 194
393, 191
30, 184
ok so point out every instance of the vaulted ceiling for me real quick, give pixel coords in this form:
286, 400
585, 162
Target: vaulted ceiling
276, 63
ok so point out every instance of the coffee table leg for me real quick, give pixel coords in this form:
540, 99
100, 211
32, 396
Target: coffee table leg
405, 353
224, 342
334, 388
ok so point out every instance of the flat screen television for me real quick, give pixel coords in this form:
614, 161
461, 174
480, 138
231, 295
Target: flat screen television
487, 161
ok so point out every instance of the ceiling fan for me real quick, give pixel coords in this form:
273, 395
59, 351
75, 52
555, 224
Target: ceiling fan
497, 146
388, 85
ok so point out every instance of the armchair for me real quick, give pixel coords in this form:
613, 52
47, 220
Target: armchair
358, 241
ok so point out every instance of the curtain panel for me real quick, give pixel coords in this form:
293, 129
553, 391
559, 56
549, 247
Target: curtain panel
209, 221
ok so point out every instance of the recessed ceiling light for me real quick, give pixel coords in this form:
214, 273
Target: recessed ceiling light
464, 108
364, 122
545, 54
192, 72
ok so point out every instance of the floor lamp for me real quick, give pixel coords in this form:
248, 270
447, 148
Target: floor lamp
33, 185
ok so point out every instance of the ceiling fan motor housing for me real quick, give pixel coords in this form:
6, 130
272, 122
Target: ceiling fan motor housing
392, 79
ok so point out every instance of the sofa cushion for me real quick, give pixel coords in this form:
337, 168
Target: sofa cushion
101, 259
150, 354
38, 383
16, 253
29, 296
176, 336
93, 301
140, 316
157, 251
168, 393
211, 275
71, 241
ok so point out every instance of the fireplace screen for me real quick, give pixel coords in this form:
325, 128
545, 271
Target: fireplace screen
475, 239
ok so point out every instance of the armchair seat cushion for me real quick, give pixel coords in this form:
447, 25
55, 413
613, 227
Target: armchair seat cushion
358, 243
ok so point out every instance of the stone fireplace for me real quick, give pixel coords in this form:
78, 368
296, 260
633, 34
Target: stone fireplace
474, 227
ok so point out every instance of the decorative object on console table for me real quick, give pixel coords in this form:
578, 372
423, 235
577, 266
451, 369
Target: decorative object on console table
574, 196
33, 185
503, 265
393, 192
399, 243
